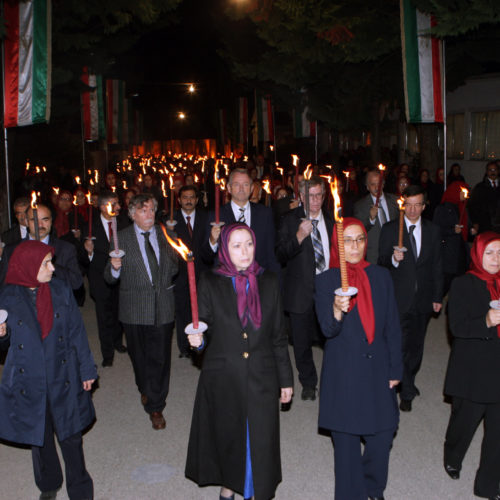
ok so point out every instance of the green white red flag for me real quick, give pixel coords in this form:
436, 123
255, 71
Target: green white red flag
27, 62
302, 126
265, 122
94, 127
422, 66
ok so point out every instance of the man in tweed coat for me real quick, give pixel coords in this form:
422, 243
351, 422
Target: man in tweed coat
146, 304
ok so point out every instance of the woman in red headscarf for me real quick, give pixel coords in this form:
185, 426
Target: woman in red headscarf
234, 439
473, 375
362, 365
452, 218
48, 372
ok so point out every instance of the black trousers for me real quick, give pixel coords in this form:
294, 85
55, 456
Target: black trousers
108, 325
464, 420
414, 327
303, 326
182, 316
47, 468
150, 348
358, 476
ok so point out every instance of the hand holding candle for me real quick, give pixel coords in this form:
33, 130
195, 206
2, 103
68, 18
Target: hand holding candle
35, 215
89, 201
116, 253
400, 246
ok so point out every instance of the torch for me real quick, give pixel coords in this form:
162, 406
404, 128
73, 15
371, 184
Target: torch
196, 326
296, 180
217, 196
116, 252
171, 222
380, 184
345, 290
465, 192
34, 207
267, 189
89, 200
347, 174
280, 170
307, 176
165, 198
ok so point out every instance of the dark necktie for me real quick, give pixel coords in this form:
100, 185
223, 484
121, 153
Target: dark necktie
319, 256
110, 231
242, 216
153, 263
413, 241
190, 228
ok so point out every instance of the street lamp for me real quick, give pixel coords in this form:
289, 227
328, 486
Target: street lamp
191, 88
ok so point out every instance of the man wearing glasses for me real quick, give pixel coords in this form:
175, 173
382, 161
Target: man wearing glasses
417, 274
304, 249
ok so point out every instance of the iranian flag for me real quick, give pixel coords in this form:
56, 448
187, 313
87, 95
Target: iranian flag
27, 62
265, 124
422, 66
302, 126
242, 120
115, 110
93, 107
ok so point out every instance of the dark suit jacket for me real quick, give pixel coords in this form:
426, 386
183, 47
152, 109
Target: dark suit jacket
473, 369
362, 212
355, 395
65, 262
262, 224
140, 303
300, 266
12, 235
483, 205
417, 282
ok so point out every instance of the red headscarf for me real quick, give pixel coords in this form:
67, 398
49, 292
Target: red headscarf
476, 268
24, 265
452, 195
357, 277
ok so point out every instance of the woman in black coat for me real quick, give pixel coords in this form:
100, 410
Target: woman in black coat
234, 440
48, 373
473, 375
362, 365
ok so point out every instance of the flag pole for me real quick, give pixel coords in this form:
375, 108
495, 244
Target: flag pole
444, 113
83, 139
274, 135
5, 135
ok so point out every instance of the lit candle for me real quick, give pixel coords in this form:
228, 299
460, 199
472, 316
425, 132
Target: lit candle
380, 184
165, 198
35, 215
307, 176
172, 195
267, 189
401, 202
346, 173
465, 192
281, 171
188, 256
89, 200
75, 212
217, 193
114, 228
296, 181
340, 235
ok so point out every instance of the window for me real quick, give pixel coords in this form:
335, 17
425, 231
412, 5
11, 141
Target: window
485, 135
455, 135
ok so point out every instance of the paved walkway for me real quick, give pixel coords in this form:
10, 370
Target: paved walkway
129, 460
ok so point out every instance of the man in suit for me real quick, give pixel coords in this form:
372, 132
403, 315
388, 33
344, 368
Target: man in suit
146, 305
372, 216
255, 215
19, 230
105, 296
418, 282
192, 229
303, 247
65, 258
485, 199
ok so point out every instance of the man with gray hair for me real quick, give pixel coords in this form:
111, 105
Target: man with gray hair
146, 304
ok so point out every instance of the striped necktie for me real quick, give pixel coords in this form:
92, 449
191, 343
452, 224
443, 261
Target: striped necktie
319, 256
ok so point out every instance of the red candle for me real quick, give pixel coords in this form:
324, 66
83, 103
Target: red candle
89, 200
380, 184
401, 221
192, 291
75, 223
217, 202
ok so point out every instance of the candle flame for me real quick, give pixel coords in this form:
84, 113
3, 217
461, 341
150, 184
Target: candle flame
109, 208
74, 200
77, 180
280, 170
346, 173
381, 167
96, 176
37, 169
327, 177
27, 166
308, 172
336, 200
163, 190
113, 188
196, 179
33, 200
56, 190
266, 187
171, 180
226, 168
91, 182
89, 196
401, 203
177, 244
124, 184
223, 184
465, 191
271, 147
295, 160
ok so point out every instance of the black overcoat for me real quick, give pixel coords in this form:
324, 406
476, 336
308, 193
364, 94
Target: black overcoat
242, 373
474, 365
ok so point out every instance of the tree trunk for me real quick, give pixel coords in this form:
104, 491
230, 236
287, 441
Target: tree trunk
431, 157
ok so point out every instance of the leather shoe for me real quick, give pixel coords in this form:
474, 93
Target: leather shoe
157, 420
453, 472
107, 362
144, 399
376, 498
48, 495
121, 348
308, 394
184, 355
496, 497
405, 405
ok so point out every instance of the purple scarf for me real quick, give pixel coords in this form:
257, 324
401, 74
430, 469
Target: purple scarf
248, 301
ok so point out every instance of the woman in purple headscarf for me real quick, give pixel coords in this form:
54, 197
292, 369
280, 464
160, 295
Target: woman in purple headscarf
234, 439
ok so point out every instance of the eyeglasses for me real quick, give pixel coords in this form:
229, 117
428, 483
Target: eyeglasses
414, 205
350, 241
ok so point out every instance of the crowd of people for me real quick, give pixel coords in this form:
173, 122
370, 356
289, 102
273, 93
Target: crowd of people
267, 253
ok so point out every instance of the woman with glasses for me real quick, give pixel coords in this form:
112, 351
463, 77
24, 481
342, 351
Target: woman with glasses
362, 365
